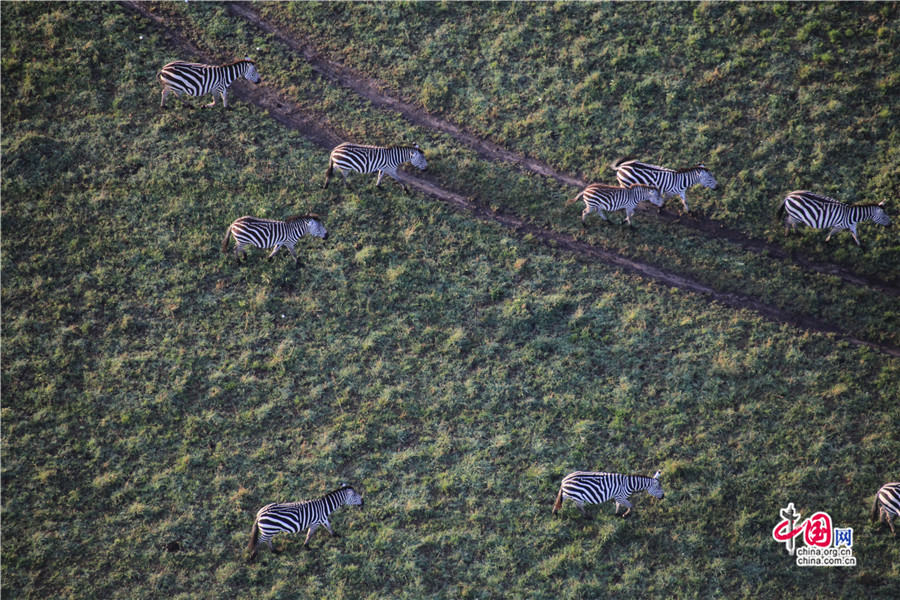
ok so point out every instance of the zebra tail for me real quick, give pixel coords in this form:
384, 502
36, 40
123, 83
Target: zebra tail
575, 199
875, 509
225, 241
329, 172
615, 164
254, 537
559, 500
781, 209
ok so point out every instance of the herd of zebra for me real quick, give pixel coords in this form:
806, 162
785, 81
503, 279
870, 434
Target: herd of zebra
638, 182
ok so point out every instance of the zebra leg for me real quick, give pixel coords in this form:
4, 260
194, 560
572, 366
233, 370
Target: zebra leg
239, 251
855, 236
277, 246
393, 173
625, 503
835, 230
580, 506
629, 212
224, 99
165, 92
290, 248
380, 175
684, 201
330, 530
309, 534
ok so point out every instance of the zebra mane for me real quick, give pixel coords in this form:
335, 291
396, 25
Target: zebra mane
299, 217
694, 168
243, 60
343, 487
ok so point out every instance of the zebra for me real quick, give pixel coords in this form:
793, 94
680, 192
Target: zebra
670, 182
587, 487
195, 79
293, 517
599, 197
820, 212
266, 233
370, 159
887, 504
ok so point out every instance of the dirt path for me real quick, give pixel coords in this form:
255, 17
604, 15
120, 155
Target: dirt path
285, 112
373, 92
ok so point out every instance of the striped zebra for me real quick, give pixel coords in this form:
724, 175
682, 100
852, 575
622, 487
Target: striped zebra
887, 504
599, 197
267, 233
820, 212
587, 487
195, 79
294, 517
670, 182
372, 159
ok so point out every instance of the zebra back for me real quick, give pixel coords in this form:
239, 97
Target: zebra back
197, 79
820, 212
596, 487
610, 197
887, 502
369, 159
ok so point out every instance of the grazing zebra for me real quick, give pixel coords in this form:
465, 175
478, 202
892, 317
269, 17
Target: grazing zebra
371, 159
586, 487
670, 182
195, 79
266, 233
887, 504
599, 197
816, 211
293, 517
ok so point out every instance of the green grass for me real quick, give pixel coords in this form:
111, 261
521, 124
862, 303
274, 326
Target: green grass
154, 390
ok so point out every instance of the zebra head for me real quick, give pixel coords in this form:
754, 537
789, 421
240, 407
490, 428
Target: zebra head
417, 157
351, 497
655, 488
651, 194
880, 216
250, 71
316, 228
706, 177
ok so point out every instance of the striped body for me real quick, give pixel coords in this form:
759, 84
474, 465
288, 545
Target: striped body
374, 159
294, 517
267, 233
820, 212
588, 487
195, 79
670, 182
599, 197
887, 504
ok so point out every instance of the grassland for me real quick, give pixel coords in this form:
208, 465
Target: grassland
154, 391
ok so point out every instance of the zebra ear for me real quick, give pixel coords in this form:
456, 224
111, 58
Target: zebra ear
657, 475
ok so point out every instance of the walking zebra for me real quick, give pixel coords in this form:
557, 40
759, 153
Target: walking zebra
887, 504
670, 182
599, 197
371, 159
586, 487
816, 211
194, 79
266, 233
293, 517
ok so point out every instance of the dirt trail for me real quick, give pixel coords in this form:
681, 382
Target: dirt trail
373, 92
285, 112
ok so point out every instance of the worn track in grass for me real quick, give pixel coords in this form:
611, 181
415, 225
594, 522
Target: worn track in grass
373, 92
315, 129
